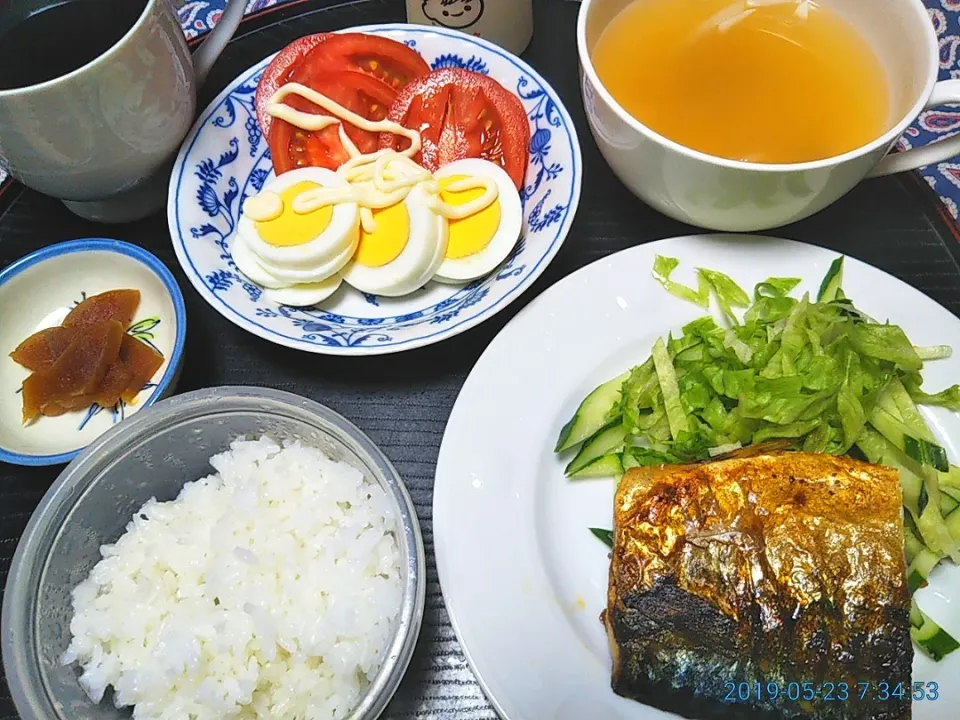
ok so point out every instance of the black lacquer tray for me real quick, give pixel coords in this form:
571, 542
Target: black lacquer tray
403, 401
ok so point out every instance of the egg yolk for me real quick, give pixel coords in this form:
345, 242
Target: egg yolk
290, 228
471, 234
388, 240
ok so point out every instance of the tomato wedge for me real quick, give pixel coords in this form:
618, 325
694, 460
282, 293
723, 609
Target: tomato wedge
277, 74
387, 60
293, 148
463, 114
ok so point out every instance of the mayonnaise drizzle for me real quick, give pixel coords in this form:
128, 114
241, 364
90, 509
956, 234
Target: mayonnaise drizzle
263, 207
316, 121
377, 180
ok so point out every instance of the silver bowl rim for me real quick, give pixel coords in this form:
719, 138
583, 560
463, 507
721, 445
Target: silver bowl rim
18, 620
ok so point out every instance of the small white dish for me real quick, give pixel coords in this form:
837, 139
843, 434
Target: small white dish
523, 579
225, 159
37, 292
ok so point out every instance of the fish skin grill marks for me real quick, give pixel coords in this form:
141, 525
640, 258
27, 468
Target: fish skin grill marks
774, 569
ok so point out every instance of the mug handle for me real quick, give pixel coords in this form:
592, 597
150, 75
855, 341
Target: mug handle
208, 52
944, 92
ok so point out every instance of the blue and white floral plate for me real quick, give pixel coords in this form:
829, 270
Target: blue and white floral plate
225, 159
37, 292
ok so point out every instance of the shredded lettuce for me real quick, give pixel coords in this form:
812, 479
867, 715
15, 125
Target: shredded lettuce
663, 267
667, 377
729, 294
790, 368
775, 287
949, 398
934, 352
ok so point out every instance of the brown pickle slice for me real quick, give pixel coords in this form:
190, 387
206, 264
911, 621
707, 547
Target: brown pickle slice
142, 361
41, 350
115, 381
119, 305
78, 371
54, 409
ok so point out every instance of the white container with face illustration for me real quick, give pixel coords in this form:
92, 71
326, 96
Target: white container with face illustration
507, 23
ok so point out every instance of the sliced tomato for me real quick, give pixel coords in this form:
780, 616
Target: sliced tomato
463, 114
278, 73
387, 60
292, 147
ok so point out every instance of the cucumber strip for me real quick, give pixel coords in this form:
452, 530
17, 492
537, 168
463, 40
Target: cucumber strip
926, 453
952, 521
915, 482
880, 451
947, 504
592, 415
670, 390
931, 638
951, 478
920, 569
916, 617
605, 466
830, 287
904, 437
608, 440
936, 533
912, 545
907, 410
948, 490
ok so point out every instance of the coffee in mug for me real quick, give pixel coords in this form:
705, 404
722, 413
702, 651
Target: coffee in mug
63, 37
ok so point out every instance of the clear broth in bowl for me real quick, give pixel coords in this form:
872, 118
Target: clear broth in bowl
754, 80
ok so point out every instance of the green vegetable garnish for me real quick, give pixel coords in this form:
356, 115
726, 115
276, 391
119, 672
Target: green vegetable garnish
931, 638
822, 374
830, 287
729, 294
663, 267
605, 536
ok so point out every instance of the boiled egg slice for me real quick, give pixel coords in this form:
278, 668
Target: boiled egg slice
403, 251
305, 294
291, 248
477, 244
280, 291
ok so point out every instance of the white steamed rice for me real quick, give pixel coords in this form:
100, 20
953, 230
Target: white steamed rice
268, 590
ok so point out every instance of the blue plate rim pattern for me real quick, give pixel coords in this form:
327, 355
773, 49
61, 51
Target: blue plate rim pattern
179, 239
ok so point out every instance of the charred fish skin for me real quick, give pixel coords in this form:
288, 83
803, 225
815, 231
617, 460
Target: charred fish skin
769, 569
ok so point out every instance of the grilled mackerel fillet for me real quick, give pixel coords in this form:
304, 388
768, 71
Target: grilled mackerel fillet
776, 568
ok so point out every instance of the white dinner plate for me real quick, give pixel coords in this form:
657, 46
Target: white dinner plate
225, 159
523, 579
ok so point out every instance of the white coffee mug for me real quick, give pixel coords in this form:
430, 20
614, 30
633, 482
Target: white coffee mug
730, 195
102, 137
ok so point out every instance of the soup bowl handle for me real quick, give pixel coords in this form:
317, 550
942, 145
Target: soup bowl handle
945, 92
211, 48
